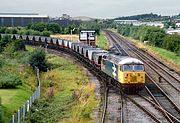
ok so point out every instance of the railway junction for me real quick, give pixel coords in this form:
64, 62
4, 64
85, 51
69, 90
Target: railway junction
157, 102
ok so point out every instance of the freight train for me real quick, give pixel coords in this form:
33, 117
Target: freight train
127, 71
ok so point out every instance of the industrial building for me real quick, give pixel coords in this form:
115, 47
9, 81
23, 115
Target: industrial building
20, 19
139, 23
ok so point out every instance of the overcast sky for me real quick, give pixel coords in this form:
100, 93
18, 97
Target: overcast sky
91, 8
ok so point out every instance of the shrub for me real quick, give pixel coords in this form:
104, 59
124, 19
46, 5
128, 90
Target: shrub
2, 29
13, 31
46, 33
38, 59
21, 32
9, 80
54, 27
35, 32
19, 45
27, 32
12, 47
8, 31
4, 41
39, 26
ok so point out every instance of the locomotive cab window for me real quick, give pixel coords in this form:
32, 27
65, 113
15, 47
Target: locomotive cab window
138, 68
127, 67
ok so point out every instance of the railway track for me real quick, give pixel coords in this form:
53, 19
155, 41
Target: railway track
129, 108
148, 109
160, 97
112, 106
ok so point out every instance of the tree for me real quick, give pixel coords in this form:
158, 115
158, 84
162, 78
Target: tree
172, 43
39, 26
38, 59
54, 27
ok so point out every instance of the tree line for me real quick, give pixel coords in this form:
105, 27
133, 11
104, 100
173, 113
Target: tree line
46, 29
154, 35
149, 17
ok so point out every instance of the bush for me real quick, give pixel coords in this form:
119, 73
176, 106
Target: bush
12, 47
46, 33
21, 32
35, 33
27, 32
19, 45
38, 59
4, 41
13, 31
53, 27
8, 31
2, 29
39, 26
9, 80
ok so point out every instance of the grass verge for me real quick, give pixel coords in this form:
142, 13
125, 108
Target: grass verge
13, 99
66, 94
102, 42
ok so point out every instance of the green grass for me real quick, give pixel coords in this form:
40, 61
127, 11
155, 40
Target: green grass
13, 99
171, 56
102, 42
73, 97
113, 29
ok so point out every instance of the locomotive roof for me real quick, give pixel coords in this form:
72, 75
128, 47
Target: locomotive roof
117, 59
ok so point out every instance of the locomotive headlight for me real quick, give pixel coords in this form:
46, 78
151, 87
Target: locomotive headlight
125, 77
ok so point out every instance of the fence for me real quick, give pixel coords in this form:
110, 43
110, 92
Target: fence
22, 111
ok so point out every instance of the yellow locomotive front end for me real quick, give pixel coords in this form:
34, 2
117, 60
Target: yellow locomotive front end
128, 71
132, 76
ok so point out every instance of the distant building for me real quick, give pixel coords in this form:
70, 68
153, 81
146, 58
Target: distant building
156, 24
173, 31
21, 19
66, 16
139, 23
82, 18
126, 21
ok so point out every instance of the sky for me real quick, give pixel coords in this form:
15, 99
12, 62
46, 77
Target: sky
91, 8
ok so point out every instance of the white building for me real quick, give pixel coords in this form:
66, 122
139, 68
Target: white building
139, 23
173, 32
126, 21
